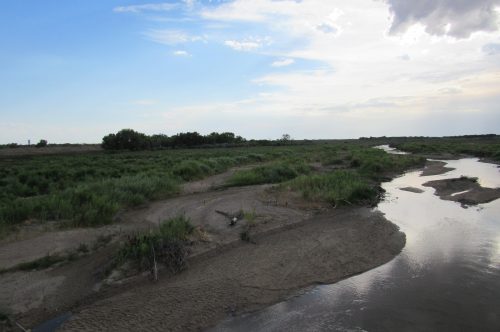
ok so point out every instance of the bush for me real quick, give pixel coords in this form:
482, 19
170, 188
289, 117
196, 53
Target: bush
274, 173
338, 187
166, 246
191, 170
43, 143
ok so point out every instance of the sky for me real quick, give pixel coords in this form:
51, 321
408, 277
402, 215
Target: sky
72, 71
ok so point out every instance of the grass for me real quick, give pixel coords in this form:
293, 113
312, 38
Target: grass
478, 147
89, 189
273, 173
377, 164
167, 245
337, 187
39, 264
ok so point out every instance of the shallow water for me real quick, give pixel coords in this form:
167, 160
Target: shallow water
447, 278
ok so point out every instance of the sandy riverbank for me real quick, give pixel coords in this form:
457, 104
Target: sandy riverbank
323, 249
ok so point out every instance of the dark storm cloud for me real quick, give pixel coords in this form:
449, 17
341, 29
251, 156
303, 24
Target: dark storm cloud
456, 18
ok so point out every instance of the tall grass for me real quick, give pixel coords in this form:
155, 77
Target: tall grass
337, 187
165, 245
273, 173
88, 190
90, 204
478, 148
377, 164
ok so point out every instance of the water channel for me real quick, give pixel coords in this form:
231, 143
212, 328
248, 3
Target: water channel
447, 278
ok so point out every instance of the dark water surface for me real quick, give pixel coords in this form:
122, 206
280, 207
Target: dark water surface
447, 278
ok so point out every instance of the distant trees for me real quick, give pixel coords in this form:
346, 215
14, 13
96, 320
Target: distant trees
128, 139
43, 143
285, 139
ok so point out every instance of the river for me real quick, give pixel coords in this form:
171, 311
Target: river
447, 278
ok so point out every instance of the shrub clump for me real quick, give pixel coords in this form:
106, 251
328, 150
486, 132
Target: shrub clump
167, 246
274, 173
338, 187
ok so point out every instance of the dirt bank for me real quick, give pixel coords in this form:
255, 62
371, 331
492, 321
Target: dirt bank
412, 190
323, 249
435, 167
463, 190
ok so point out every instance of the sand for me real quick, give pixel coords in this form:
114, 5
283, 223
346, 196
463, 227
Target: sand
435, 167
324, 249
464, 190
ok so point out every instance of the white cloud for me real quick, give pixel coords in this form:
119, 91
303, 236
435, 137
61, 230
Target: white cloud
360, 86
283, 63
146, 7
181, 53
249, 44
171, 37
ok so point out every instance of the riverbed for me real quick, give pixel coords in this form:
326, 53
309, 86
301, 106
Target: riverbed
447, 278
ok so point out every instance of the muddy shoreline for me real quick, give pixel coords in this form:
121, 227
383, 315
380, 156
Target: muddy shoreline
464, 190
324, 249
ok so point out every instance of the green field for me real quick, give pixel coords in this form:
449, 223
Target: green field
89, 189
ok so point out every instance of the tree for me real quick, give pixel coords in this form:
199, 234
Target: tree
285, 139
41, 144
126, 139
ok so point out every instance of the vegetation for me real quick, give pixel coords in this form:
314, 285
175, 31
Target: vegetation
337, 187
482, 148
167, 246
40, 264
43, 143
128, 139
273, 173
87, 190
377, 164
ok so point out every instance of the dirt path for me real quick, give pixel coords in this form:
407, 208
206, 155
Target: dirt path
322, 250
213, 182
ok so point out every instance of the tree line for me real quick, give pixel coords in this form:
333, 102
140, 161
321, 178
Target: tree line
129, 139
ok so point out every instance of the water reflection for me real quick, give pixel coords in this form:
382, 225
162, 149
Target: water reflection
446, 279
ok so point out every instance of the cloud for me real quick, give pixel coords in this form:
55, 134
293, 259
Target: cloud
181, 53
491, 49
283, 63
171, 37
404, 57
249, 44
456, 18
157, 7
327, 28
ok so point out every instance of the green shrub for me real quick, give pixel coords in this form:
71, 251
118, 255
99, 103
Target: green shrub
191, 170
167, 245
274, 173
338, 187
